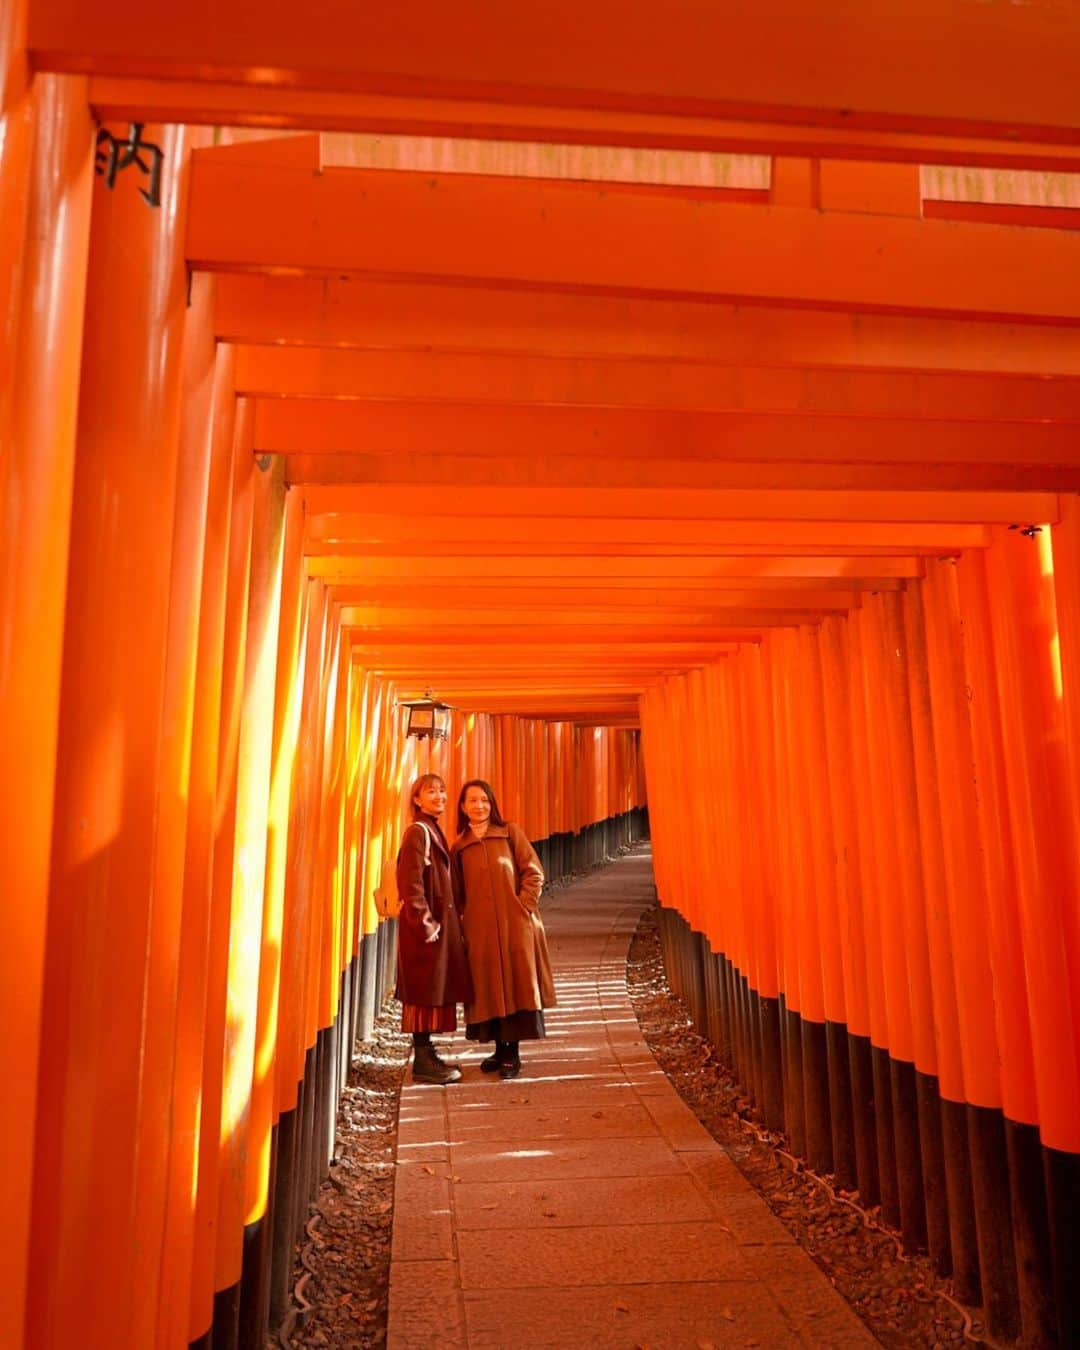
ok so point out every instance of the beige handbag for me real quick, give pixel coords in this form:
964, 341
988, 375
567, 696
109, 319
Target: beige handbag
387, 900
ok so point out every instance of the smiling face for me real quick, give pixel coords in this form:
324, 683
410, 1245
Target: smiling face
477, 805
431, 799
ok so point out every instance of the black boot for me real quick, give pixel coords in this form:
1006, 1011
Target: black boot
427, 1067
494, 1062
511, 1062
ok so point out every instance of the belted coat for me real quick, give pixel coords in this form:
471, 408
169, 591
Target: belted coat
429, 974
499, 882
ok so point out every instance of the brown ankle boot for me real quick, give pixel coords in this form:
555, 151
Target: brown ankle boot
427, 1067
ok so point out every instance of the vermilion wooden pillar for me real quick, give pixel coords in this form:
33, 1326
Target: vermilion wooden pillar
158, 1087
106, 784
189, 1113
283, 748
45, 176
238, 1201
1043, 816
219, 861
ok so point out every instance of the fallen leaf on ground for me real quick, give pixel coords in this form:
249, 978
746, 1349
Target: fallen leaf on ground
429, 1169
622, 1307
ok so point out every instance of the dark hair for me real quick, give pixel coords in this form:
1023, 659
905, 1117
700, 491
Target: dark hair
418, 785
462, 818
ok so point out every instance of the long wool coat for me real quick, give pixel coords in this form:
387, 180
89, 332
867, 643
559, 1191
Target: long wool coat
500, 879
429, 974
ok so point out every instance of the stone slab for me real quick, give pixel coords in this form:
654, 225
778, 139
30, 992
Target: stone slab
535, 1160
634, 1253
723, 1315
426, 1307
423, 1220
579, 1203
596, 1120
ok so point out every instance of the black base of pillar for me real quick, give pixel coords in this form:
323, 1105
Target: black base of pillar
284, 1206
794, 1108
840, 1106
909, 1177
772, 1075
935, 1187
993, 1221
815, 1078
963, 1240
888, 1184
1062, 1177
255, 1285
226, 1330
1031, 1235
861, 1060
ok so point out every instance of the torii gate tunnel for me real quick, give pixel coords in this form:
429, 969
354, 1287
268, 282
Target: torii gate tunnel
687, 393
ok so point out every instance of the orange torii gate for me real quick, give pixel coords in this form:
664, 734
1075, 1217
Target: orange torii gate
745, 457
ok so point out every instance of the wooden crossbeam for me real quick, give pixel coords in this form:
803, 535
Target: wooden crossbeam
999, 70
249, 215
414, 317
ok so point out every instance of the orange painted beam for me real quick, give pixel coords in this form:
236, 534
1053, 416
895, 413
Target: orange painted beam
571, 638
529, 705
926, 540
643, 623
451, 678
789, 474
792, 473
659, 585
251, 216
367, 535
855, 572
380, 316
988, 72
488, 507
540, 598
133, 99
373, 654
435, 385
622, 691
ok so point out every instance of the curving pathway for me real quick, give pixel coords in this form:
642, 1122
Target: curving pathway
583, 1204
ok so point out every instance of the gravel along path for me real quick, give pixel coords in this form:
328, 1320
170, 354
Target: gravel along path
343, 1271
899, 1297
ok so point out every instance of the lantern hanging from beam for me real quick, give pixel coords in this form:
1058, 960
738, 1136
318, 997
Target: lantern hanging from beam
428, 716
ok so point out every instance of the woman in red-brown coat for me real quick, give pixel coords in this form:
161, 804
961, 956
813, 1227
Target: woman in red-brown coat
433, 973
499, 883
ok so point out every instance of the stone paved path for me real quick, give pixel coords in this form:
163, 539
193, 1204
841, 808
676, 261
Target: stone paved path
583, 1204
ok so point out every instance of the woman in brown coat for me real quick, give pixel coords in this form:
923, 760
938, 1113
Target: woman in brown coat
500, 879
433, 973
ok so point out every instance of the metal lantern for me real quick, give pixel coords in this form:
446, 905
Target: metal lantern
428, 717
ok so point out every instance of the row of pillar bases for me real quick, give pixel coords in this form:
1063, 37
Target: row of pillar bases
979, 1194
302, 1141
301, 1151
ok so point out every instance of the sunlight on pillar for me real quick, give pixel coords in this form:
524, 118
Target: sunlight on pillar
104, 769
1045, 542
